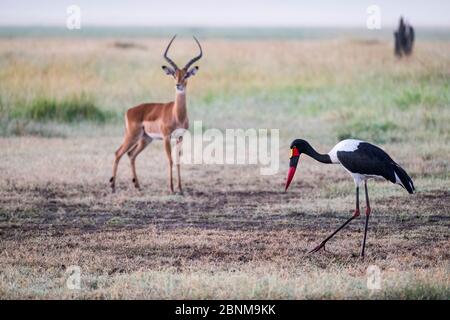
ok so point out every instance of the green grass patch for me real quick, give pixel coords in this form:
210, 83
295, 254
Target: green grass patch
49, 117
408, 98
69, 110
116, 221
380, 131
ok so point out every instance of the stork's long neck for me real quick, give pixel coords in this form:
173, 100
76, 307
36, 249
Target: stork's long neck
310, 151
180, 106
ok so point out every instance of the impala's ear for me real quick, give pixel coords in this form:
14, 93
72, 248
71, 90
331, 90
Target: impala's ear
168, 70
191, 72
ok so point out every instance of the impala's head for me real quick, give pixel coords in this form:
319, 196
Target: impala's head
181, 75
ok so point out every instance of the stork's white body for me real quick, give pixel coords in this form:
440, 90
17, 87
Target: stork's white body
363, 161
349, 145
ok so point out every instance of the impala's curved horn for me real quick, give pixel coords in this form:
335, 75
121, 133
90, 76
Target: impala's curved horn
196, 58
173, 64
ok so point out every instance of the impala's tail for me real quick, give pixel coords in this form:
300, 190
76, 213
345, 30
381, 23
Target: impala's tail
403, 179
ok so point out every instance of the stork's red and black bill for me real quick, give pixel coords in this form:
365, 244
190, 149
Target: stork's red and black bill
293, 162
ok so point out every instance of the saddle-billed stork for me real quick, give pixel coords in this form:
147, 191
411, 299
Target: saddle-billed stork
364, 161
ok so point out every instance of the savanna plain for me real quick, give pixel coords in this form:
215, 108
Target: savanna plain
233, 233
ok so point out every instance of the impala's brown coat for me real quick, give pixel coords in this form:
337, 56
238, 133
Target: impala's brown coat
150, 121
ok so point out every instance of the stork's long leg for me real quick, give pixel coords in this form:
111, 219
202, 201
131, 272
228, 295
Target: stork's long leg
367, 219
355, 214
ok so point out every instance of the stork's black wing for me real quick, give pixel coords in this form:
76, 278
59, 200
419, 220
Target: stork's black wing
370, 160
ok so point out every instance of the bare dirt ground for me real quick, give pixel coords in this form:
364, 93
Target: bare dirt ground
232, 234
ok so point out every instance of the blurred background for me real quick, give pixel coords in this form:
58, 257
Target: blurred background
265, 64
326, 71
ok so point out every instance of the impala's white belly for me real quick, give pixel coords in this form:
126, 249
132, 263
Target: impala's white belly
151, 130
154, 136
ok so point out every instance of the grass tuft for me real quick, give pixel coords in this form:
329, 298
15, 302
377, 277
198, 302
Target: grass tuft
408, 98
70, 110
381, 131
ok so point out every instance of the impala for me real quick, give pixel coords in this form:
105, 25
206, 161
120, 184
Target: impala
163, 121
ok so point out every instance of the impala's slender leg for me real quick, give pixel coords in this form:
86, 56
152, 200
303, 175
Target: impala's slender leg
168, 150
129, 141
355, 214
177, 161
367, 219
133, 153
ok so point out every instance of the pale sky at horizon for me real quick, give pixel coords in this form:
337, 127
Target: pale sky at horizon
230, 13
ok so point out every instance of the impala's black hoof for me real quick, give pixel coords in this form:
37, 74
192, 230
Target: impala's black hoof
112, 179
134, 180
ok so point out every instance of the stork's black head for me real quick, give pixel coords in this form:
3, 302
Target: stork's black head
298, 146
301, 145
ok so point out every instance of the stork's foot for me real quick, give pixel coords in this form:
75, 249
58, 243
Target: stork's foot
320, 246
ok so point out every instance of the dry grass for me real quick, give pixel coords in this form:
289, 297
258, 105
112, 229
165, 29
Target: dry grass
234, 233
